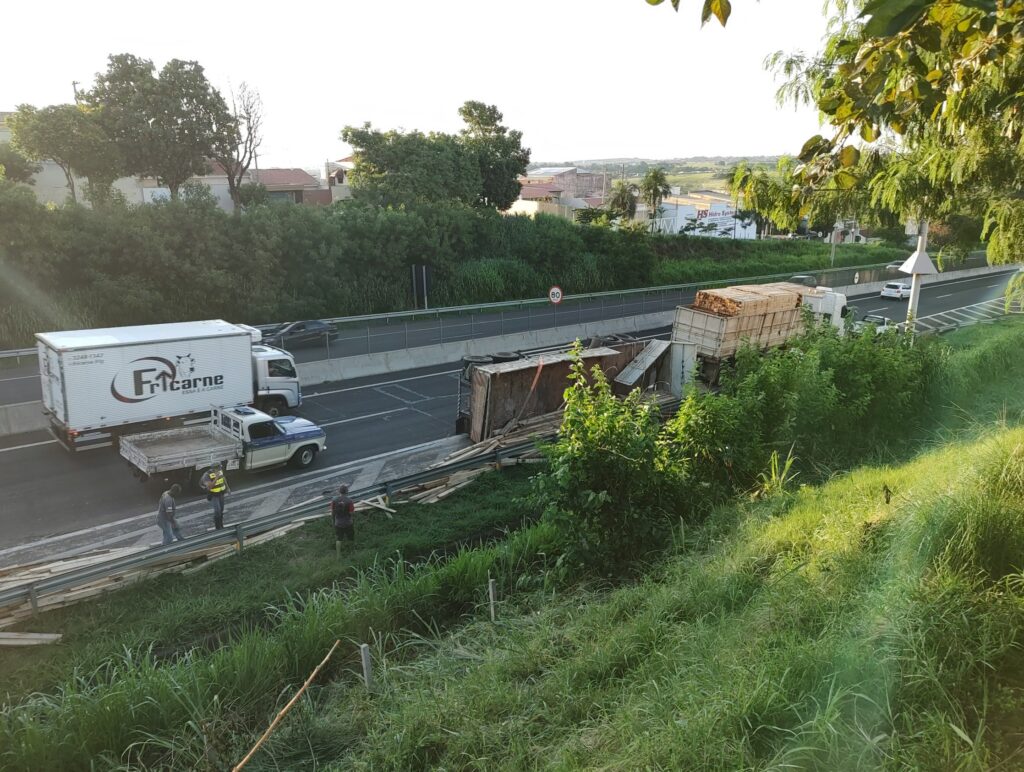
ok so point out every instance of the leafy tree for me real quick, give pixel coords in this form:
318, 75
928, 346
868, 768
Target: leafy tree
612, 488
653, 189
17, 168
499, 153
236, 146
623, 199
396, 167
253, 194
592, 216
165, 125
73, 139
720, 9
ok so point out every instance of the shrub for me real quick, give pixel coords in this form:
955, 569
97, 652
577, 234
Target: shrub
612, 487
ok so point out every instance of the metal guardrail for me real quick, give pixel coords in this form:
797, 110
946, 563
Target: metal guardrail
238, 533
30, 591
386, 318
18, 352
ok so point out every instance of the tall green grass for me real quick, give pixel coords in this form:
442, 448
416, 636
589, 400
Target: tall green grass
826, 630
818, 630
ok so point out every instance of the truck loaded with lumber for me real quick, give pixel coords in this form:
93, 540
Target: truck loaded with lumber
721, 321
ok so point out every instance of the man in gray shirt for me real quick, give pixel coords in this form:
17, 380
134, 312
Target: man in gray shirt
165, 515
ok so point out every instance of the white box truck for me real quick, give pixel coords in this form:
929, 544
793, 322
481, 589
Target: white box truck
98, 384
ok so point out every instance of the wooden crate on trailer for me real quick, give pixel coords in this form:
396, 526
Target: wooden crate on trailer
731, 301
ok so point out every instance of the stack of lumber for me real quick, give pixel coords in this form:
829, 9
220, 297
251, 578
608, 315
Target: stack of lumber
186, 563
748, 299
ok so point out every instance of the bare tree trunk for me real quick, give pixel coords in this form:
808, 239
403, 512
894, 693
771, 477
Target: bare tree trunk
71, 181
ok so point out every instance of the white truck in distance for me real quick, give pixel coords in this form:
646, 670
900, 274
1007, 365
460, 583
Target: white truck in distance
237, 437
101, 383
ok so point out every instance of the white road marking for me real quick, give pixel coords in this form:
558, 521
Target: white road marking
306, 477
20, 378
873, 310
363, 417
940, 297
377, 385
28, 445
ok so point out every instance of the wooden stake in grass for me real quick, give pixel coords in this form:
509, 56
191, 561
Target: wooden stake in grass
492, 593
364, 654
284, 710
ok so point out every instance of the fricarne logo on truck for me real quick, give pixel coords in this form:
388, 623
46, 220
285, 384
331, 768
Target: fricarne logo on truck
149, 377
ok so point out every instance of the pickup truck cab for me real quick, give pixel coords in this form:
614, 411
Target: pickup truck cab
237, 437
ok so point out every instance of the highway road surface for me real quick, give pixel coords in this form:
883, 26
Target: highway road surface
47, 490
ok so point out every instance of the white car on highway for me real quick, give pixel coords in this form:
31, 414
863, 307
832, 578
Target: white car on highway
879, 322
899, 290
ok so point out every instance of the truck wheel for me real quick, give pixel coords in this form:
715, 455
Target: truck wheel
304, 456
274, 406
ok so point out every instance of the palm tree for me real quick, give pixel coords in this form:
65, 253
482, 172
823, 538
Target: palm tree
653, 189
622, 202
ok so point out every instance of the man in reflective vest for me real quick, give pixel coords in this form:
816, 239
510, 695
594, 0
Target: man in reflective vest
216, 485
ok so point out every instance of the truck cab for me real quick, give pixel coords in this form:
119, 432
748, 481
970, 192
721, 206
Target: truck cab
828, 305
268, 441
275, 380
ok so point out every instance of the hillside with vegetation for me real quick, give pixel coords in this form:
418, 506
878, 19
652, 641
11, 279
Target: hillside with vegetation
72, 268
818, 567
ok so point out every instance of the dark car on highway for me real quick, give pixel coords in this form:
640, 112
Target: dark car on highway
309, 333
804, 278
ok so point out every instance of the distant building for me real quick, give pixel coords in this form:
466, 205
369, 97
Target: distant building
336, 177
573, 181
290, 185
702, 213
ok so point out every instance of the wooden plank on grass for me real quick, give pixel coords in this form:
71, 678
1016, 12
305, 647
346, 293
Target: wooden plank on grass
28, 639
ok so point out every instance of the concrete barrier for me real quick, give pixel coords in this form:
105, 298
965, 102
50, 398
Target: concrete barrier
312, 373
876, 286
28, 416
21, 417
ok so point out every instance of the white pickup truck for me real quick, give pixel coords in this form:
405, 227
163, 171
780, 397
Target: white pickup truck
237, 437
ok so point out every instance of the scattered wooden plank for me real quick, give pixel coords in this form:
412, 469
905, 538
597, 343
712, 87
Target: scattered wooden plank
28, 639
378, 503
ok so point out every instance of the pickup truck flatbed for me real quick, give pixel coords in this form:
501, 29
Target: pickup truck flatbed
238, 437
192, 446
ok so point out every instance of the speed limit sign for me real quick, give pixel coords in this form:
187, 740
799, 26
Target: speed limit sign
856, 278
555, 294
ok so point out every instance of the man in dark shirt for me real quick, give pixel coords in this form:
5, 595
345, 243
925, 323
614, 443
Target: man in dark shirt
342, 514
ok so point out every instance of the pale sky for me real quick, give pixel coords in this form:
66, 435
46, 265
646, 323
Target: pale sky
580, 78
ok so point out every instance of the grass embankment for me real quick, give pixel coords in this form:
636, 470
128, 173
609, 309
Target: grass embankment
823, 630
175, 613
778, 599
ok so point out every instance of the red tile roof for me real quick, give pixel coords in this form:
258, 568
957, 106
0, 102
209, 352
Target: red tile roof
284, 178
538, 191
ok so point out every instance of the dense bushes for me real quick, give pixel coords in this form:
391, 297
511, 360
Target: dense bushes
75, 267
619, 480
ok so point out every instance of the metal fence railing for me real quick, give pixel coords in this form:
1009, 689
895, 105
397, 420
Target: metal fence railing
238, 533
32, 591
378, 333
